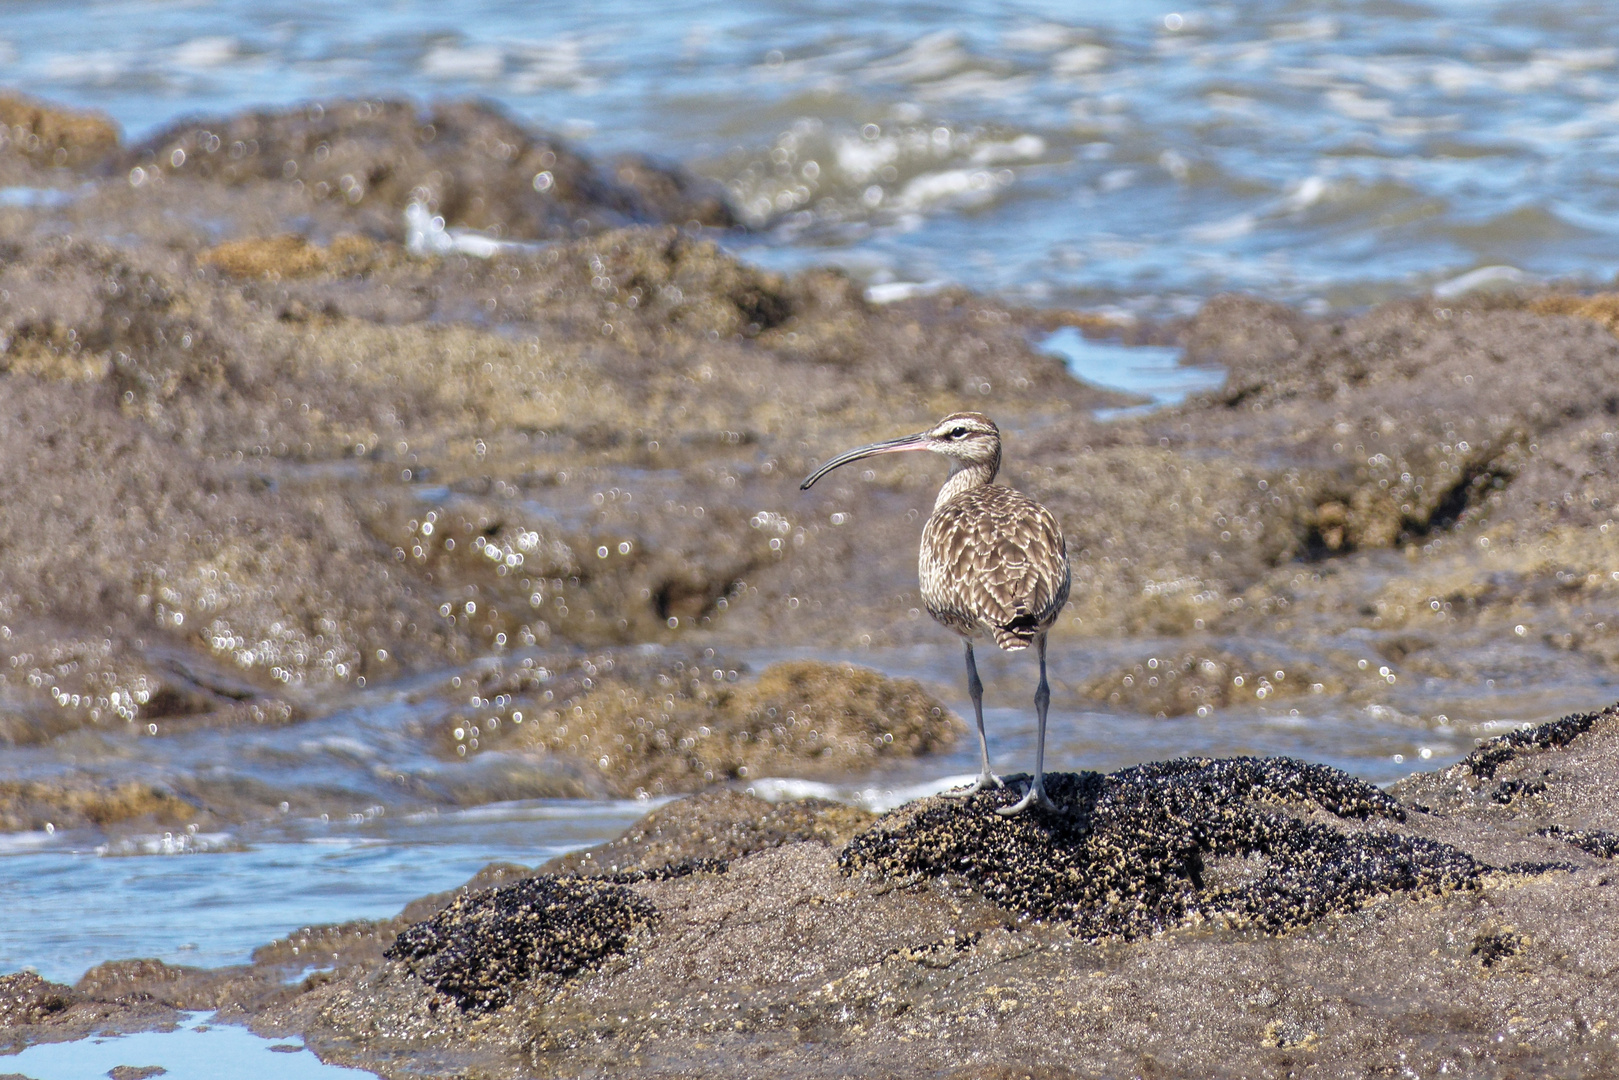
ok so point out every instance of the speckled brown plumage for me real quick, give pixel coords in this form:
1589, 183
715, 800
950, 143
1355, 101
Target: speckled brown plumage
993, 563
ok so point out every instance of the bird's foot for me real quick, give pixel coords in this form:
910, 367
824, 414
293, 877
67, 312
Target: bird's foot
985, 781
1036, 795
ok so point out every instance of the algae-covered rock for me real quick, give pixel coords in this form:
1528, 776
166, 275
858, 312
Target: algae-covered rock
1156, 846
465, 161
35, 1010
682, 729
72, 803
476, 949
52, 135
274, 258
1602, 307
26, 998
1202, 680
358, 942
141, 980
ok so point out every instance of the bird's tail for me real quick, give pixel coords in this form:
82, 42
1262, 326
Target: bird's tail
1018, 632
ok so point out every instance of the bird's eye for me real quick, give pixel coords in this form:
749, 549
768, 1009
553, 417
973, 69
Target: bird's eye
958, 433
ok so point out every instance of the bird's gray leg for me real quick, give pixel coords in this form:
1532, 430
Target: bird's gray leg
975, 687
1037, 789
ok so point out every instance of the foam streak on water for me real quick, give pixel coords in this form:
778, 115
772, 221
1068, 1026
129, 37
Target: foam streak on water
1085, 153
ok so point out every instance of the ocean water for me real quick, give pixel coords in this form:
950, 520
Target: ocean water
1137, 156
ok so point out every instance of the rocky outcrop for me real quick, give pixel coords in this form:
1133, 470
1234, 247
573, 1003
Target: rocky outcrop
1194, 918
1176, 843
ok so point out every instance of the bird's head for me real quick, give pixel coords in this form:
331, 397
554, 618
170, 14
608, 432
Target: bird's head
969, 439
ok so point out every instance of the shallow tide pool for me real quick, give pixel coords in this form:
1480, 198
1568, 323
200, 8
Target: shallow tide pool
1153, 372
195, 1050
207, 900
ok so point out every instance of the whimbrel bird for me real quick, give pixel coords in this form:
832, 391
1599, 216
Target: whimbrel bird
993, 564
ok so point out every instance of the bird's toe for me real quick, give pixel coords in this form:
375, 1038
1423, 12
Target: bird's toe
1035, 796
984, 782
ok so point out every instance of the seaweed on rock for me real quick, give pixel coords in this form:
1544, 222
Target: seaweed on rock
1160, 845
485, 943
1595, 842
1489, 757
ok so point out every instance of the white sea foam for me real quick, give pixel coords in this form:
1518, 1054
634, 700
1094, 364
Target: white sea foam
890, 292
1022, 148
425, 234
169, 843
877, 798
206, 52
1483, 278
451, 62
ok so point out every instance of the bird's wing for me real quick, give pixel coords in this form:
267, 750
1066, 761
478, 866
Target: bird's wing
1000, 559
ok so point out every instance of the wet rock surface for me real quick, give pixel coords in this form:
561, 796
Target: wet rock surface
135, 1072
28, 999
34, 1010
41, 134
286, 461
683, 729
32, 804
900, 953
638, 724
268, 470
712, 829
1202, 680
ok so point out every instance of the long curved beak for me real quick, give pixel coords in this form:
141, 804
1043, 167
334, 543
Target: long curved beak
918, 441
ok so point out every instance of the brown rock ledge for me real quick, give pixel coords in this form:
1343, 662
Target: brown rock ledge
1192, 918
